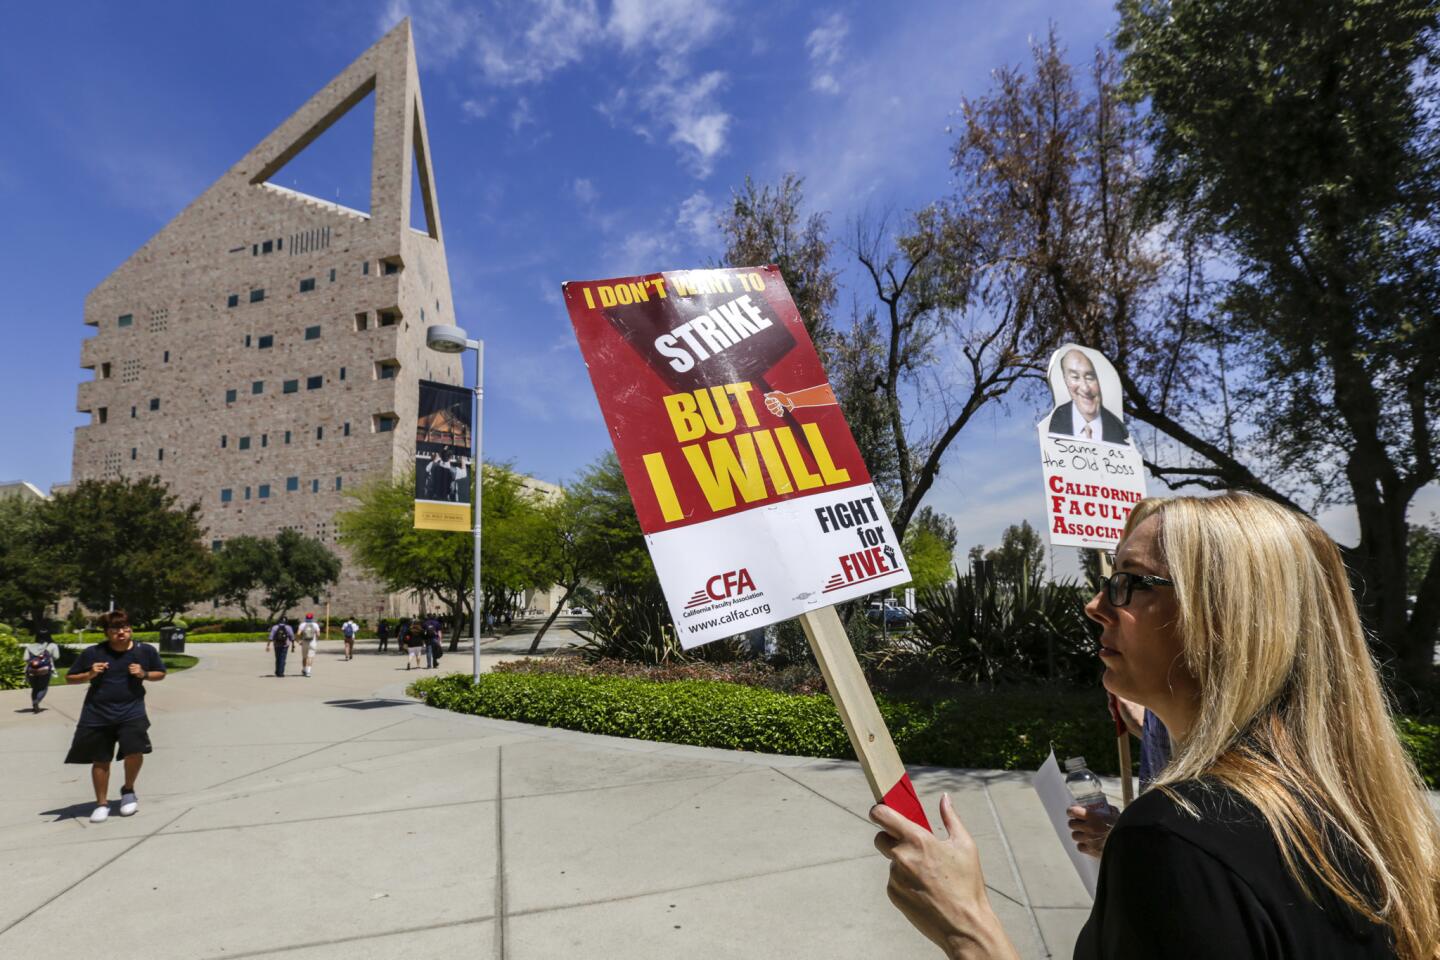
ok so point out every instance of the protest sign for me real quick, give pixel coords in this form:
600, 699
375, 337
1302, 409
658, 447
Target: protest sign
443, 471
1094, 476
752, 495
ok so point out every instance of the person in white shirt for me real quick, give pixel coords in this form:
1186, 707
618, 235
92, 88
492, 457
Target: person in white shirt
309, 639
42, 659
348, 630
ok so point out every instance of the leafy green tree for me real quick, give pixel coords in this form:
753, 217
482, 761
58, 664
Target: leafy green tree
765, 225
931, 561
128, 542
1020, 558
618, 552
33, 571
297, 567
240, 566
570, 548
1304, 149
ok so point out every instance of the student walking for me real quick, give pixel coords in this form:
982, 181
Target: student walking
283, 639
113, 722
414, 641
383, 632
41, 656
309, 634
348, 629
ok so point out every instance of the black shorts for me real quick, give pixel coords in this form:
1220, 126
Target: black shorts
113, 742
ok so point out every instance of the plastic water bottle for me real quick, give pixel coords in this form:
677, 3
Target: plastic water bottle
1083, 785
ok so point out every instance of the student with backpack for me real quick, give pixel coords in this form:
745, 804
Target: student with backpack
348, 629
41, 656
309, 633
283, 638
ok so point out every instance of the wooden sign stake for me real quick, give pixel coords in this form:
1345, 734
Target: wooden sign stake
1122, 731
889, 783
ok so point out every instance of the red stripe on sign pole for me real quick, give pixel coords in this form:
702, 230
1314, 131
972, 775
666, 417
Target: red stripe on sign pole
902, 799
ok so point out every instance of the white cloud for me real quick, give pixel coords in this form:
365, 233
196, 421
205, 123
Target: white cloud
477, 108
442, 29
521, 116
525, 43
676, 26
825, 44
690, 109
698, 218
585, 191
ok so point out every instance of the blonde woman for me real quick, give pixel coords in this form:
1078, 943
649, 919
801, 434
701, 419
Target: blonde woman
1289, 823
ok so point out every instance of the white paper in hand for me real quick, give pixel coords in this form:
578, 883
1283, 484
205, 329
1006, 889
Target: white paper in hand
1049, 783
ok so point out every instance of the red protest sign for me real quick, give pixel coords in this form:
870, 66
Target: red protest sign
754, 499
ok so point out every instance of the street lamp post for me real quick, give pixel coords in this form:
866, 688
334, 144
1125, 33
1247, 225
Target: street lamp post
447, 339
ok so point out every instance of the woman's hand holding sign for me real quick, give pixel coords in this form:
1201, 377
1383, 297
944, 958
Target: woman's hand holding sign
778, 402
939, 886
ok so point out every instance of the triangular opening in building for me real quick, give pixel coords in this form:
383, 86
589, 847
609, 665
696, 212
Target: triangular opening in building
422, 204
332, 160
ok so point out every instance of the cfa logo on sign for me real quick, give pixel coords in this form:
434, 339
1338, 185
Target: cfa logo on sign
722, 586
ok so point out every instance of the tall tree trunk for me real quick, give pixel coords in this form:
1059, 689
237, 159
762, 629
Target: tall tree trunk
535, 644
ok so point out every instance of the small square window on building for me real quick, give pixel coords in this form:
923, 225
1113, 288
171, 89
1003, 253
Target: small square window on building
347, 428
314, 486
165, 357
105, 371
264, 439
307, 284
332, 274
315, 382
154, 403
312, 333
233, 300
264, 491
224, 441
385, 422
265, 342
388, 318
287, 436
247, 493
102, 414
392, 265
342, 373
133, 413
257, 295
292, 484
226, 495
319, 433
290, 386
386, 369
244, 443
257, 387
134, 453
267, 246
230, 396
337, 483
362, 322
160, 454
247, 339
124, 320
365, 268
214, 546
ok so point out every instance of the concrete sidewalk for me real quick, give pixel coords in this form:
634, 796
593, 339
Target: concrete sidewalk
331, 817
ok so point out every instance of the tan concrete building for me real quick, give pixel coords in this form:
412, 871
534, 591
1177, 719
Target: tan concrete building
261, 352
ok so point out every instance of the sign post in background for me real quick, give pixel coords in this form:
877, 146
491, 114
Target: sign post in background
753, 498
1094, 476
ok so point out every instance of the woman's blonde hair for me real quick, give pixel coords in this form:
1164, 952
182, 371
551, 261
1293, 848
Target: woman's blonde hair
1292, 716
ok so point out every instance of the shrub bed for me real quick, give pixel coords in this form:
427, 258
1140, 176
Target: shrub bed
1010, 729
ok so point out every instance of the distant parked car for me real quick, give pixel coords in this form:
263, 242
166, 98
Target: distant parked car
891, 614
579, 612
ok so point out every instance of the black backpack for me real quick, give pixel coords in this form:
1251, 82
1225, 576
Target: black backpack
40, 665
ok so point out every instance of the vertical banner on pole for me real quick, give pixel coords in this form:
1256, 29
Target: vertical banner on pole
1094, 476
443, 471
749, 488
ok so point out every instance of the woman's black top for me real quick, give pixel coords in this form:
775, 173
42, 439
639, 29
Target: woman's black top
1176, 887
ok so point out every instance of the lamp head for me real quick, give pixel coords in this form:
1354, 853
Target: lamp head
446, 339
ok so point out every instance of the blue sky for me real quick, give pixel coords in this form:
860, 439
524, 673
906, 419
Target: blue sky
570, 140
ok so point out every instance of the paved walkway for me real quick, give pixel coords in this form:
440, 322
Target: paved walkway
330, 817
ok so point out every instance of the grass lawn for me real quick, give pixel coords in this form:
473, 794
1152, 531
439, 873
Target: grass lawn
172, 661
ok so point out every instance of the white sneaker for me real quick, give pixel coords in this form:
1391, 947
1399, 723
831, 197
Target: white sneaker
100, 814
129, 803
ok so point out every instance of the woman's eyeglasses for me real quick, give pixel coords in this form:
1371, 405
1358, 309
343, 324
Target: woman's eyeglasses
1119, 586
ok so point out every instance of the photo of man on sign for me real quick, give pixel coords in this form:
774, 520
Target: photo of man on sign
1079, 383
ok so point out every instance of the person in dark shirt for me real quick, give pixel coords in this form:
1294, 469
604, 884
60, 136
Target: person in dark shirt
1289, 823
113, 723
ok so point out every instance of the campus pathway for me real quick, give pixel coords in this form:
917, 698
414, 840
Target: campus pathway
330, 817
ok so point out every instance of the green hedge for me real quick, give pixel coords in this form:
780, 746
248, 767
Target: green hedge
1009, 730
1013, 730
